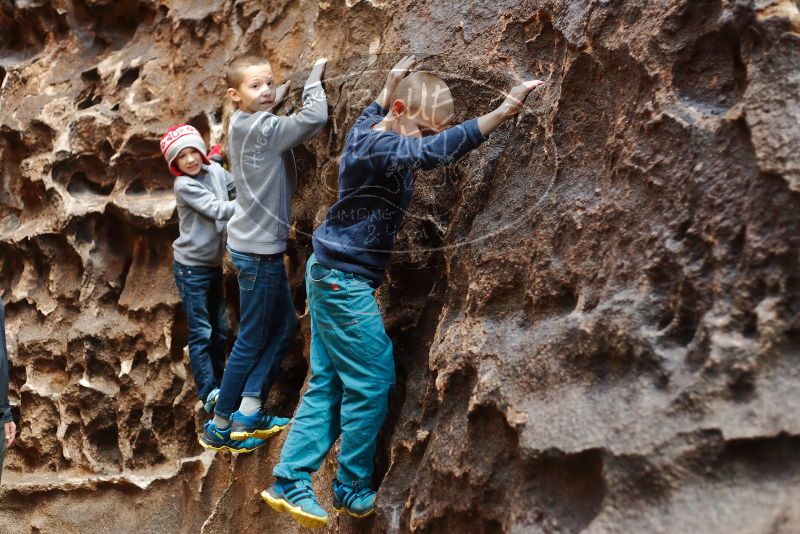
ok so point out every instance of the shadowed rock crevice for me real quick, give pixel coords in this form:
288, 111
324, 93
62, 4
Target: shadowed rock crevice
712, 74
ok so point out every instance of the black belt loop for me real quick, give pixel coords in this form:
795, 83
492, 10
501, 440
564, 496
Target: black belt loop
272, 257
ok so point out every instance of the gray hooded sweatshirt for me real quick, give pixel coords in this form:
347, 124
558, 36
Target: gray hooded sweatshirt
260, 145
205, 203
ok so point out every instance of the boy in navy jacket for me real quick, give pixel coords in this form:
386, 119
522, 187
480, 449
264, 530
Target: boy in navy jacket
351, 356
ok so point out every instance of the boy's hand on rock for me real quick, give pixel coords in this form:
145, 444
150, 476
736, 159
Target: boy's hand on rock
317, 70
281, 92
398, 72
510, 107
401, 69
516, 97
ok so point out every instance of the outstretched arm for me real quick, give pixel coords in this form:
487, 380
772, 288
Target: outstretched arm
510, 107
202, 200
451, 144
393, 150
315, 76
285, 132
280, 93
379, 106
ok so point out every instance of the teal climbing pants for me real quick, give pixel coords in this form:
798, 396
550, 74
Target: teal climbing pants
352, 371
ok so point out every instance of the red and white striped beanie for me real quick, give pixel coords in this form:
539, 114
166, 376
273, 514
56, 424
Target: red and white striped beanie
178, 138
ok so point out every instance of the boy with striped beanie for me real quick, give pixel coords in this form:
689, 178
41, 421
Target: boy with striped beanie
204, 194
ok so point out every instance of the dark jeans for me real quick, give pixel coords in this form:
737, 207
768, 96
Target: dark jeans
267, 325
204, 304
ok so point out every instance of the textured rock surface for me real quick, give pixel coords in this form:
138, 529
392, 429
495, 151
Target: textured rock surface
596, 315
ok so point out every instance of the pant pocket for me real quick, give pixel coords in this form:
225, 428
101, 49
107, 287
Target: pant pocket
376, 352
318, 273
247, 272
338, 324
351, 327
179, 282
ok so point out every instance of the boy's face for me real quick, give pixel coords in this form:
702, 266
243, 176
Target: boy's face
189, 161
256, 92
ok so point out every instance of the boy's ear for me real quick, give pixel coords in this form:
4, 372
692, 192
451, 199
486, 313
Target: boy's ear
234, 95
398, 108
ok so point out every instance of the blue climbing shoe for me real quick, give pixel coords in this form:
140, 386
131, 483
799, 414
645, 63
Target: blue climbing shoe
296, 498
259, 425
220, 440
211, 400
358, 502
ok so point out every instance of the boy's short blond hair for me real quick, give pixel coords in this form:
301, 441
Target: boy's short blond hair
426, 93
233, 74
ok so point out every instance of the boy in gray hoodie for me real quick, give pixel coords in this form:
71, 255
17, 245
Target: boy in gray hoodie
203, 192
260, 143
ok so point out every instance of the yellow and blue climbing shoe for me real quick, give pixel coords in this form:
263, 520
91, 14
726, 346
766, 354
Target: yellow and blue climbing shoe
356, 501
296, 498
217, 439
259, 425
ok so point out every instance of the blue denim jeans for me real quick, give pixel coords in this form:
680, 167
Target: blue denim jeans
267, 325
352, 371
207, 331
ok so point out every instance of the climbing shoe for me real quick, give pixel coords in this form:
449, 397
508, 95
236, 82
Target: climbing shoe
211, 400
220, 440
258, 425
296, 498
358, 502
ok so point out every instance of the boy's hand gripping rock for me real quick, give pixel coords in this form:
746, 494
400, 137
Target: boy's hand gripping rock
281, 92
516, 97
316, 71
510, 107
398, 72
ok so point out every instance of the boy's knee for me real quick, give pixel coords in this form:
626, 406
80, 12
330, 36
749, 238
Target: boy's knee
199, 332
377, 390
247, 346
385, 386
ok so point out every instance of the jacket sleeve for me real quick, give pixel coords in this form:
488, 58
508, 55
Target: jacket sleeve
392, 150
283, 132
373, 110
5, 408
202, 200
227, 180
230, 185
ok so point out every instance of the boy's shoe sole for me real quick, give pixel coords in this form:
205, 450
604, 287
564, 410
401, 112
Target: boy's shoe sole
223, 447
305, 519
358, 516
260, 434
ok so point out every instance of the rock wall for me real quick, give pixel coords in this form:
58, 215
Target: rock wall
596, 314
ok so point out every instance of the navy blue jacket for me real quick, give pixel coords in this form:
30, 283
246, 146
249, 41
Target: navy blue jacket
376, 181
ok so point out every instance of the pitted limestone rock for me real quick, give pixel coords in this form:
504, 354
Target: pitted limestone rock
596, 315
